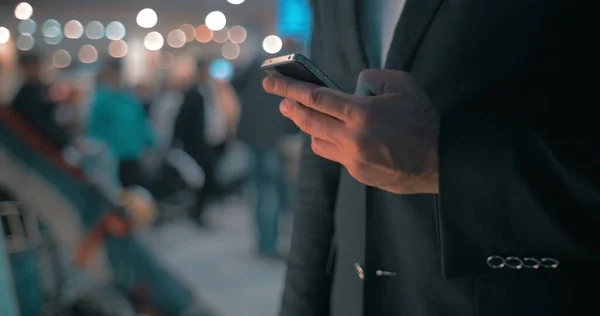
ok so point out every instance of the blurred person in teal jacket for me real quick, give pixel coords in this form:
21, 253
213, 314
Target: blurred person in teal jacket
118, 118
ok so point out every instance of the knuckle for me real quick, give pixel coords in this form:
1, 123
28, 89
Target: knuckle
314, 145
406, 74
355, 167
356, 144
305, 120
305, 123
281, 86
316, 96
282, 102
362, 115
366, 74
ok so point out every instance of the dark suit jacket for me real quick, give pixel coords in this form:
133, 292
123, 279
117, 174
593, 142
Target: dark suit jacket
190, 133
32, 103
519, 172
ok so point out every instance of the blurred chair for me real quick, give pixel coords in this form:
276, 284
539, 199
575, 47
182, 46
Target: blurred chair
19, 230
175, 186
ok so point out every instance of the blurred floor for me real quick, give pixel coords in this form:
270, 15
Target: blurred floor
220, 263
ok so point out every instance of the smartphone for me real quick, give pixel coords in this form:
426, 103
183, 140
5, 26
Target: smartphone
298, 67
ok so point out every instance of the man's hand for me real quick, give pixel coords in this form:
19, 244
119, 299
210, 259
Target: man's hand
385, 135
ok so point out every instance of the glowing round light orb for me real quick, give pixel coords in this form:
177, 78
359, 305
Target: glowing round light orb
204, 34
27, 27
189, 31
272, 44
154, 41
73, 29
176, 38
25, 42
147, 18
230, 50
221, 36
51, 28
215, 20
4, 35
94, 30
118, 49
88, 54
236, 2
61, 59
23, 11
115, 31
54, 40
221, 69
237, 34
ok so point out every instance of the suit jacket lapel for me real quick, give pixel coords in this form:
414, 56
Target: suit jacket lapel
350, 35
413, 24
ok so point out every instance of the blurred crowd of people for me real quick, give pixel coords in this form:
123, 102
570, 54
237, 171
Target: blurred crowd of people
184, 131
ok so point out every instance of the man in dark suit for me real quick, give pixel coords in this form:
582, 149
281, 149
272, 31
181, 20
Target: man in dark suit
190, 133
461, 181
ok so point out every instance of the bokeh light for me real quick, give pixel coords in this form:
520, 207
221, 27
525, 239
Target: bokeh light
221, 36
94, 30
51, 28
55, 40
61, 59
189, 31
115, 31
176, 38
88, 54
235, 1
73, 29
25, 42
154, 41
237, 34
230, 50
221, 69
272, 44
27, 27
147, 18
4, 35
203, 34
23, 11
118, 49
215, 20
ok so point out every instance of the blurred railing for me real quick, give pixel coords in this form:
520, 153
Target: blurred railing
70, 206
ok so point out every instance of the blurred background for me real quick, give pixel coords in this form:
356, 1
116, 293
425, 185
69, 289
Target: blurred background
143, 170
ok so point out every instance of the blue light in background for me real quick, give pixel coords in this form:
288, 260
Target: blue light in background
294, 19
221, 69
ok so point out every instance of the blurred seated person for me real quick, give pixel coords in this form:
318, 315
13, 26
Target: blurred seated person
33, 104
203, 127
118, 118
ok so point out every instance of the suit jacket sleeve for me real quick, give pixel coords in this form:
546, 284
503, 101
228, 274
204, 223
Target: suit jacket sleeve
522, 178
308, 281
